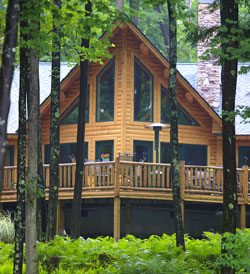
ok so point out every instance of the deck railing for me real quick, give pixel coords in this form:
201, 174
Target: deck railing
137, 175
128, 175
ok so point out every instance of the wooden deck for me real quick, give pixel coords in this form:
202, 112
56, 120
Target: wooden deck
138, 180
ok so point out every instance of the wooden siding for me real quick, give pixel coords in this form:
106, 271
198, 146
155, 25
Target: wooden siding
124, 130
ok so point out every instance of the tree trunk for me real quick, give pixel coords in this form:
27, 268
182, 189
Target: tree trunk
41, 202
229, 12
77, 201
21, 157
6, 75
229, 70
31, 183
33, 140
54, 128
175, 163
134, 10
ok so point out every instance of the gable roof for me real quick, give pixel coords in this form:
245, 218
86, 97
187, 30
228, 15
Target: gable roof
242, 93
186, 75
45, 85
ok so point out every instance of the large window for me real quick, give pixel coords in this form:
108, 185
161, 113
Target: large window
183, 117
9, 156
104, 150
71, 117
244, 156
105, 93
191, 154
143, 93
67, 153
143, 151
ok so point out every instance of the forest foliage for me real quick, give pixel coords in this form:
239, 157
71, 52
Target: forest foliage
133, 255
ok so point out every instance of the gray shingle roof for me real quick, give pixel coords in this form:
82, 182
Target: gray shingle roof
242, 94
45, 83
187, 70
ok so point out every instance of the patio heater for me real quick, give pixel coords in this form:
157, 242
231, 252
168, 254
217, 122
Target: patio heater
157, 127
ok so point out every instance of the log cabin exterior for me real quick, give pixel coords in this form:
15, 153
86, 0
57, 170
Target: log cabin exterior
126, 94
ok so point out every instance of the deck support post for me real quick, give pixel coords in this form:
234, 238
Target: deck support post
128, 217
117, 202
182, 187
60, 218
117, 218
242, 216
245, 195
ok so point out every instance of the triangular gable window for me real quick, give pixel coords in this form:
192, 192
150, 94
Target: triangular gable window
183, 117
71, 116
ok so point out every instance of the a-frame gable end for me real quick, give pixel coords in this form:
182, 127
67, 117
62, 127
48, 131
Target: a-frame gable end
184, 118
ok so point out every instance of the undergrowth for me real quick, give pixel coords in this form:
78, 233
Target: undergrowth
132, 255
6, 229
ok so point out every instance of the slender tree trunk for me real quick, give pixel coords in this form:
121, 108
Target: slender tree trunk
175, 163
229, 20
21, 158
77, 202
31, 184
54, 128
229, 12
6, 75
134, 10
41, 202
33, 140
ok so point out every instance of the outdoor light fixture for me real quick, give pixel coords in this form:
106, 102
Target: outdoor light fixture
157, 127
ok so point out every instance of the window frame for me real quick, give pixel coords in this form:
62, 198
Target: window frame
150, 146
240, 152
72, 107
181, 147
112, 61
164, 90
97, 157
47, 152
143, 67
12, 155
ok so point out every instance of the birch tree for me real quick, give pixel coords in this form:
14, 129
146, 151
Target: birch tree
175, 163
54, 123
6, 74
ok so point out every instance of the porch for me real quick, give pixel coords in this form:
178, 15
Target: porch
137, 180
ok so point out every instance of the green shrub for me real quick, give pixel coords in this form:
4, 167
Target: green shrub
132, 255
7, 231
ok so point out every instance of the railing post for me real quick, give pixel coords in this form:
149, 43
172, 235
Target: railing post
117, 202
182, 179
245, 183
182, 187
245, 196
60, 218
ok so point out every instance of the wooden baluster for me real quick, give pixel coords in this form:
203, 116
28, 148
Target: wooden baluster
168, 177
195, 185
159, 177
131, 176
136, 174
126, 175
48, 175
214, 179
73, 175
113, 175
149, 177
153, 173
187, 178
144, 183
140, 173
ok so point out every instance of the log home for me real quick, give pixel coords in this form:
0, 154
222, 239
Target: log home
123, 185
